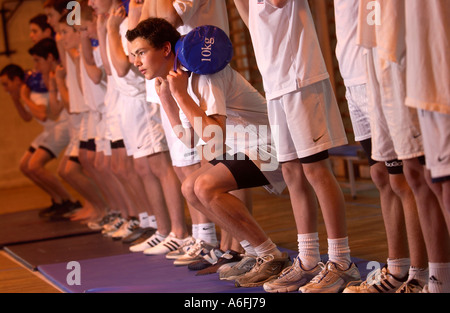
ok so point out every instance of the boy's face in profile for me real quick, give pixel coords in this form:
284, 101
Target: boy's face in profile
41, 64
150, 61
70, 37
89, 27
10, 86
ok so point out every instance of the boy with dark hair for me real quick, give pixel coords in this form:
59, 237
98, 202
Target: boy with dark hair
227, 106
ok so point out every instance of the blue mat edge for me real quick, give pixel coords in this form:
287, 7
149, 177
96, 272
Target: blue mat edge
46, 271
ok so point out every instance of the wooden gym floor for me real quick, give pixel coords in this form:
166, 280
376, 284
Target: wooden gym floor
366, 232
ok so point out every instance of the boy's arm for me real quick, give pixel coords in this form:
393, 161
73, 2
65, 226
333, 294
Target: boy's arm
60, 80
94, 73
173, 113
166, 11
23, 113
119, 58
101, 31
242, 7
55, 106
278, 3
39, 111
178, 86
148, 9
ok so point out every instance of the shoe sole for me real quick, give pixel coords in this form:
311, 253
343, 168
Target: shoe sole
256, 284
284, 289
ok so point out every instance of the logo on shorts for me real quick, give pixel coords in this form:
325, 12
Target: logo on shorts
441, 159
317, 139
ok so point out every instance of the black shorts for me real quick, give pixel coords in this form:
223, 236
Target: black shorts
244, 171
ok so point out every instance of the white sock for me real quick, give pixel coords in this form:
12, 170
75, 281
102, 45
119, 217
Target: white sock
399, 267
146, 221
308, 249
419, 274
195, 231
248, 248
439, 281
339, 252
207, 233
267, 247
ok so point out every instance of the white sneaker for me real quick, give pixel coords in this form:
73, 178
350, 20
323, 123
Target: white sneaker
181, 251
195, 253
114, 226
152, 241
380, 281
170, 243
126, 229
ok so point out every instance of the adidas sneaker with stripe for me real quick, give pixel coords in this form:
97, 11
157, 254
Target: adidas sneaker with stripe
170, 243
152, 241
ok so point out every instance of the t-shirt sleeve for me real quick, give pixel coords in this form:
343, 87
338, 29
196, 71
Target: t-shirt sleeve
187, 8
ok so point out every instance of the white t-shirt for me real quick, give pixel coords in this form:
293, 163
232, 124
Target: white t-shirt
286, 46
228, 94
94, 94
133, 83
76, 99
195, 13
42, 98
381, 24
348, 53
428, 55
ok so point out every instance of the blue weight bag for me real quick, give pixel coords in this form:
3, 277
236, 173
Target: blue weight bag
204, 50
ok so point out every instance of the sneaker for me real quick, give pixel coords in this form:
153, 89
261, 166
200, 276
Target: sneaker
410, 286
240, 268
111, 228
207, 260
181, 251
194, 254
108, 218
332, 279
152, 241
170, 243
266, 268
49, 210
229, 256
64, 211
126, 229
137, 233
292, 277
381, 281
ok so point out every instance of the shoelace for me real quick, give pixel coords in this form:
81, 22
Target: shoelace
195, 249
289, 269
323, 273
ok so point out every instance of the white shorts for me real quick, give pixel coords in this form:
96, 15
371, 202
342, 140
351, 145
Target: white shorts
88, 127
395, 127
141, 126
111, 116
436, 140
74, 128
180, 154
306, 122
358, 107
54, 139
102, 144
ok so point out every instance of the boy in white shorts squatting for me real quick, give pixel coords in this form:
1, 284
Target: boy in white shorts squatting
95, 205
396, 130
427, 90
306, 122
223, 103
351, 59
55, 135
143, 135
185, 16
98, 149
